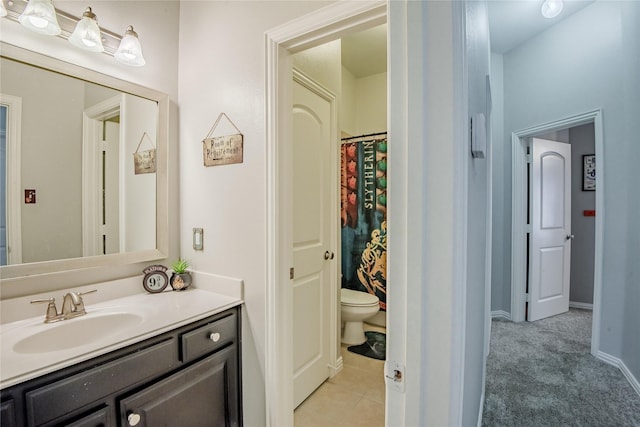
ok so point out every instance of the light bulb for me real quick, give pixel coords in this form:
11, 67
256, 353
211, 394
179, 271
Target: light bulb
40, 16
87, 35
551, 8
130, 51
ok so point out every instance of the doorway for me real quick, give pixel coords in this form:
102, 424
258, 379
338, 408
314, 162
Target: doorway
520, 258
281, 44
354, 67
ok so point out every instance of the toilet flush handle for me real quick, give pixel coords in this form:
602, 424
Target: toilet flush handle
328, 255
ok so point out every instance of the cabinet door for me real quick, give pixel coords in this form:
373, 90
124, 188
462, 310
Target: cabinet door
204, 394
7, 414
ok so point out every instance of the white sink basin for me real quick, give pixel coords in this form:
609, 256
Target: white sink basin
76, 332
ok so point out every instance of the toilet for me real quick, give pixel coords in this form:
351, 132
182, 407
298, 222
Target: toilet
355, 308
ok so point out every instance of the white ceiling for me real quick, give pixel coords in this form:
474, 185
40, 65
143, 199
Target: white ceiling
511, 23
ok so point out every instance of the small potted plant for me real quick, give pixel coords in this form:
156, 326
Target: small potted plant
180, 278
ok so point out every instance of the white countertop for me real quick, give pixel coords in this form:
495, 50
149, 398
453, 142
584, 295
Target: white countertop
156, 313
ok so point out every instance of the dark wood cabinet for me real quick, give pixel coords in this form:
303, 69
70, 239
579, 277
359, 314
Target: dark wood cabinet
186, 377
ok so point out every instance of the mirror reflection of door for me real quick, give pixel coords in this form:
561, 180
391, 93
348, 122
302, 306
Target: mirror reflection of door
109, 183
10, 183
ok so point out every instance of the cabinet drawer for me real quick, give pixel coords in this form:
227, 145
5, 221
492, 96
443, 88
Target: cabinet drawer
99, 418
47, 403
208, 338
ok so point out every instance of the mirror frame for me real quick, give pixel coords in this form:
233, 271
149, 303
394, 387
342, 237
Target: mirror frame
162, 186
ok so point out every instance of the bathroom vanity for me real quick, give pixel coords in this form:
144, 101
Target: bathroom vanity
188, 375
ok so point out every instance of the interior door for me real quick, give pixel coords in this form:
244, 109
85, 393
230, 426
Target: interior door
313, 188
550, 243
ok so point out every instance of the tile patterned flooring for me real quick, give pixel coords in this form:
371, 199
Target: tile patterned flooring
354, 397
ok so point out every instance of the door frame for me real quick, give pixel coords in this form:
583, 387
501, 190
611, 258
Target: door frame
519, 214
91, 198
312, 30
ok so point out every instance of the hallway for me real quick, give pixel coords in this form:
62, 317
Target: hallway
542, 374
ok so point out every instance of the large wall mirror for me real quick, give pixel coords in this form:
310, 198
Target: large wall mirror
71, 196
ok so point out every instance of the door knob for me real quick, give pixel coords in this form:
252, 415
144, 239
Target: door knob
570, 236
328, 255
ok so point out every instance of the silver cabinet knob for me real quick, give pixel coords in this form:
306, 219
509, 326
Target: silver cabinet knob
328, 255
214, 336
570, 236
133, 419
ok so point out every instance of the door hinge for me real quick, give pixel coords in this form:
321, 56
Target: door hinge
103, 145
291, 273
527, 297
529, 228
529, 158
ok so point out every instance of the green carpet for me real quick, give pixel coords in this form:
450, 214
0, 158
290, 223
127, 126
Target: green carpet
542, 374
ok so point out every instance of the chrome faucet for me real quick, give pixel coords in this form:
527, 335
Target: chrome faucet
72, 306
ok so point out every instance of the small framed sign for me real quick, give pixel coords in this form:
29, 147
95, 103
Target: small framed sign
589, 172
222, 150
155, 278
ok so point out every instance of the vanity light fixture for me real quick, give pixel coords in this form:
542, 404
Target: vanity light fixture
40, 16
87, 33
130, 50
551, 8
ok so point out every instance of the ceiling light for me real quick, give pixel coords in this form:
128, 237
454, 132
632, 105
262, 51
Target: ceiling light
551, 8
40, 16
3, 10
130, 51
87, 33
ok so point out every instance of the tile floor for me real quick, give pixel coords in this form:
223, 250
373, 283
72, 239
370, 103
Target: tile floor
354, 397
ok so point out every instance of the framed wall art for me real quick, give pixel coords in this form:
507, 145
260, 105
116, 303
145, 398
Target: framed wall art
589, 172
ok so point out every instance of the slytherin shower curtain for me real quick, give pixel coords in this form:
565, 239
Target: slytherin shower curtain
363, 202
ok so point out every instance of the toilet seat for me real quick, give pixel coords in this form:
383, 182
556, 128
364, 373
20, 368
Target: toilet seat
352, 298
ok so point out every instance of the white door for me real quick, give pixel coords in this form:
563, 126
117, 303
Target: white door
314, 194
550, 244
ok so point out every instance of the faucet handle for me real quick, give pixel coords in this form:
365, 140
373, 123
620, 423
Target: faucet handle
88, 292
80, 302
52, 311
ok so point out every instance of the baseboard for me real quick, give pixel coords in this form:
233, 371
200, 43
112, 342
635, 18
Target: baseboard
500, 314
582, 305
481, 410
623, 368
335, 369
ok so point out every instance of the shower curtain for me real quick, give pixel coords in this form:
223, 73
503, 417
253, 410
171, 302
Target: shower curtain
363, 203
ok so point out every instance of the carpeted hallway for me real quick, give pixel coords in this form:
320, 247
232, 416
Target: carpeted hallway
542, 374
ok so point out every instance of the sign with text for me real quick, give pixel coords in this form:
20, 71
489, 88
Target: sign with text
222, 150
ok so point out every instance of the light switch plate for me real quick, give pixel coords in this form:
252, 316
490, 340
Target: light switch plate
198, 239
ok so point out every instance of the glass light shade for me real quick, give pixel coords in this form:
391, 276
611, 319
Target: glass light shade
551, 8
130, 52
40, 16
87, 33
3, 9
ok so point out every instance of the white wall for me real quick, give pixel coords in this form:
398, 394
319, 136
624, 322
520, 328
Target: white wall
594, 58
477, 201
348, 106
371, 104
222, 69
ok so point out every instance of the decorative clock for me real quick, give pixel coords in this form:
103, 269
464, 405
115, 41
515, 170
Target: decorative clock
155, 279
